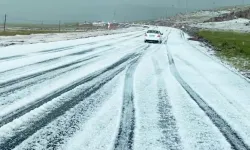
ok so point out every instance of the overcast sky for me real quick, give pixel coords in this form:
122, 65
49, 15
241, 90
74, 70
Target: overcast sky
89, 10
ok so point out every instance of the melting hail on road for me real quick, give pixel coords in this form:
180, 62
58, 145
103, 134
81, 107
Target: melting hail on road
116, 92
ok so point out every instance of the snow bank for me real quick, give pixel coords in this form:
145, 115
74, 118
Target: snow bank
53, 37
210, 13
200, 16
235, 25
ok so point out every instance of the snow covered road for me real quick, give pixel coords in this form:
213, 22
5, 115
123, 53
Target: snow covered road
116, 92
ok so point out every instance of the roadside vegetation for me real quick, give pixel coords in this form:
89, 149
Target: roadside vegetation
233, 47
13, 29
25, 32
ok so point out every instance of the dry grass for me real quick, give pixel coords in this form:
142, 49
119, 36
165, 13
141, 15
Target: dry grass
25, 32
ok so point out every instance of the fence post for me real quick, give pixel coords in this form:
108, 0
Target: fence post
59, 26
4, 25
42, 25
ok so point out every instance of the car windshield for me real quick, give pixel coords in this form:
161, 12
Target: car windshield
153, 31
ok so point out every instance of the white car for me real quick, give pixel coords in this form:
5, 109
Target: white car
153, 36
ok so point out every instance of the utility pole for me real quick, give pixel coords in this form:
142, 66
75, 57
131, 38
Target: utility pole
186, 10
214, 11
166, 14
114, 15
125, 18
173, 10
186, 6
59, 26
42, 25
4, 25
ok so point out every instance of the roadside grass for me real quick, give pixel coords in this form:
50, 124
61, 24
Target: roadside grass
25, 32
233, 47
38, 25
13, 29
31, 26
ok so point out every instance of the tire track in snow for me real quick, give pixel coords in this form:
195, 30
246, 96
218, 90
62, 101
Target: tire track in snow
27, 77
12, 94
54, 60
9, 58
167, 36
214, 59
89, 43
23, 83
64, 129
29, 82
21, 111
170, 136
103, 78
231, 136
237, 106
124, 139
125, 136
78, 53
51, 116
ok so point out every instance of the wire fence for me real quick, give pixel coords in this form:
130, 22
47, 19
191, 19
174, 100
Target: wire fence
12, 23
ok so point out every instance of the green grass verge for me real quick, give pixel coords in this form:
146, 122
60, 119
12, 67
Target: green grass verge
25, 32
39, 25
232, 46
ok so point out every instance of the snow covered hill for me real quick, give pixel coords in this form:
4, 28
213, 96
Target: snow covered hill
239, 25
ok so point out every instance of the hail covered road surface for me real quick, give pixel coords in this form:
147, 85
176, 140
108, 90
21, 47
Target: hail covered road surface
116, 92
